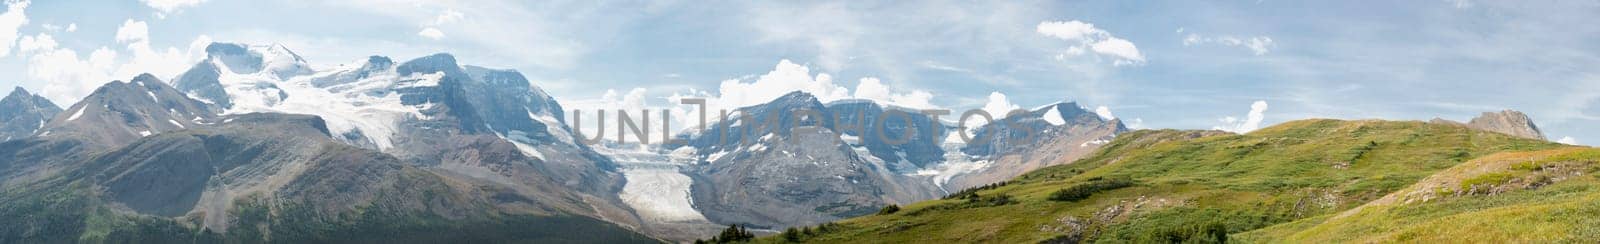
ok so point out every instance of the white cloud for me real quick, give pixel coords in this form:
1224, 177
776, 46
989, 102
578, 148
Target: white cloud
431, 30
133, 31
873, 89
29, 44
1136, 123
784, 78
479, 25
1104, 113
68, 77
431, 33
732, 94
1258, 45
447, 17
13, 19
834, 29
164, 63
1251, 122
1086, 37
917, 99
634, 102
1568, 140
170, 6
998, 106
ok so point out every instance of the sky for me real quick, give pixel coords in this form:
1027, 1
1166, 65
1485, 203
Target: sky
1232, 65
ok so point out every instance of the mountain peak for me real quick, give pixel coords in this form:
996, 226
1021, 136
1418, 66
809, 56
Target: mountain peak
145, 77
797, 96
1510, 122
250, 59
225, 48
19, 92
22, 113
378, 61
439, 62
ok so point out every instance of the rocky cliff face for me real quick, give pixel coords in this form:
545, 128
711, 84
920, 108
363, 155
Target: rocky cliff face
1051, 135
120, 112
279, 177
782, 167
1509, 122
428, 141
22, 114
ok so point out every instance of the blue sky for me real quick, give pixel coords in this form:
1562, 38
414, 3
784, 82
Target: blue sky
1177, 64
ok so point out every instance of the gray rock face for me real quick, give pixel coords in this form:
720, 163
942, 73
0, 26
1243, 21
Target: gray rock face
472, 102
779, 168
121, 112
907, 135
1510, 122
22, 114
280, 177
1017, 144
485, 128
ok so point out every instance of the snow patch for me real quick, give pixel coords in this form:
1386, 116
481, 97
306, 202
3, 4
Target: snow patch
77, 114
144, 133
527, 150
852, 140
1094, 142
1054, 117
554, 127
715, 156
368, 105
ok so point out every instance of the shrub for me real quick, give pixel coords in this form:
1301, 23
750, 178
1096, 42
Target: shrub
887, 210
965, 193
1085, 190
972, 201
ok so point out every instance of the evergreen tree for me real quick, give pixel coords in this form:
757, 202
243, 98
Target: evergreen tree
733, 234
791, 235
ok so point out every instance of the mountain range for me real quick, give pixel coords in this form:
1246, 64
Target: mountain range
253, 144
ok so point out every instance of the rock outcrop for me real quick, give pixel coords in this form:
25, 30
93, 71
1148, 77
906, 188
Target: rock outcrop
1509, 122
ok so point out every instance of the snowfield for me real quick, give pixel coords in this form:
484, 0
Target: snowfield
660, 194
655, 187
368, 106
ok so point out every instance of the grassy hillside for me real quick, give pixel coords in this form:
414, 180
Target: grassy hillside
1543, 196
1194, 186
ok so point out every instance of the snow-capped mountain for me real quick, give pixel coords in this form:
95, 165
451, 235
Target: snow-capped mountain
428, 111
448, 143
120, 112
256, 124
771, 166
910, 140
1053, 134
22, 114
